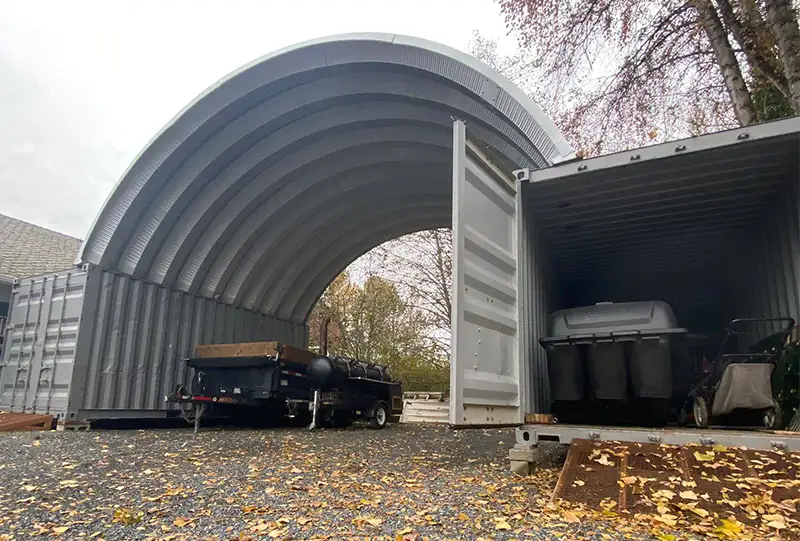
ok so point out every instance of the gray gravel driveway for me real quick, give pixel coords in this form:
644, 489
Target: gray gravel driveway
405, 482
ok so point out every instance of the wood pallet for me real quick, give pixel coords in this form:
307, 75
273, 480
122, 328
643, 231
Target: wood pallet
24, 421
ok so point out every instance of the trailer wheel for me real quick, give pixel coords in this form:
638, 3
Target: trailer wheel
380, 416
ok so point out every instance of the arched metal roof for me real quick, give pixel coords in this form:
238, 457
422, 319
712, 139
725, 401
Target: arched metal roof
277, 177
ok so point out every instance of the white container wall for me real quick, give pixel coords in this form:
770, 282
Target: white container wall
88, 343
485, 372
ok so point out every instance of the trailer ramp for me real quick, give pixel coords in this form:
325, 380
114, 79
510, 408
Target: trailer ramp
695, 487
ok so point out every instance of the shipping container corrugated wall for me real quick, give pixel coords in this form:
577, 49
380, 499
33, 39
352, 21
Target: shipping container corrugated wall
41, 335
88, 343
766, 274
538, 299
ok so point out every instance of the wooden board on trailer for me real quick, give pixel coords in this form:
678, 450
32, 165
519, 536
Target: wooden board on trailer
254, 349
242, 349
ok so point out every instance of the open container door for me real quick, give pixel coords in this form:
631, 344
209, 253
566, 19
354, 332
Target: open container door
485, 371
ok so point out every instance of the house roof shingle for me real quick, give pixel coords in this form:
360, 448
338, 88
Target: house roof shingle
29, 250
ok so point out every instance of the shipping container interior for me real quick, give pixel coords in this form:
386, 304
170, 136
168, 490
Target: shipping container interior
708, 225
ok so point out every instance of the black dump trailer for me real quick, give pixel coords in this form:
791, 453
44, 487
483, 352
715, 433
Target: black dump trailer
266, 381
347, 390
256, 381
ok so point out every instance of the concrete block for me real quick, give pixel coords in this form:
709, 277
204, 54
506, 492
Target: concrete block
521, 467
524, 453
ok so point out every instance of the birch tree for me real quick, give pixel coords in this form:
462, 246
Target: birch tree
622, 73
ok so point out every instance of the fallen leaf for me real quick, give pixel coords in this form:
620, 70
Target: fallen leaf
570, 517
631, 479
776, 524
404, 531
608, 503
502, 525
302, 521
579, 483
180, 522
730, 528
604, 460
699, 511
37, 443
374, 521
688, 495
704, 457
462, 516
58, 530
666, 537
69, 483
666, 518
719, 448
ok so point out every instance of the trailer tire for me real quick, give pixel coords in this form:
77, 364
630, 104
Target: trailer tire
380, 416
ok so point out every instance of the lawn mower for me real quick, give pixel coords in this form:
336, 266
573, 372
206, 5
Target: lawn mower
739, 382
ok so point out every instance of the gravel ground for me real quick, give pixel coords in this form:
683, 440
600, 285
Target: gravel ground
404, 483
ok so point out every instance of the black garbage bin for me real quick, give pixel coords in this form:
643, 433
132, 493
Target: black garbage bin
611, 352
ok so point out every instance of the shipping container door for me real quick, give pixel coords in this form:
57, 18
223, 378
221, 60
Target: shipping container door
484, 369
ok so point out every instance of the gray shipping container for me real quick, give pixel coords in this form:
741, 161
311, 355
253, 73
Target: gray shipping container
709, 225
87, 344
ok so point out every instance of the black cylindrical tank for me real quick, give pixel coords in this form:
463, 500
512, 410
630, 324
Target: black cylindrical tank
325, 372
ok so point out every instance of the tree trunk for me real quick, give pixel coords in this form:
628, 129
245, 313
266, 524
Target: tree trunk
784, 26
726, 59
749, 34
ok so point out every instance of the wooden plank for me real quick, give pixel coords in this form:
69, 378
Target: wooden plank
24, 421
538, 419
296, 355
243, 349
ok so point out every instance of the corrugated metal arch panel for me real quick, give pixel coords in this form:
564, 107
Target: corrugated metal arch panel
310, 283
308, 254
224, 101
318, 284
310, 181
265, 151
389, 145
311, 217
236, 138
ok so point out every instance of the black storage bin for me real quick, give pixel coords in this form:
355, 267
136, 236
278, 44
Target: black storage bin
607, 372
565, 366
612, 345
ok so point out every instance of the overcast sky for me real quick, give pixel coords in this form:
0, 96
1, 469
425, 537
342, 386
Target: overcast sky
84, 85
